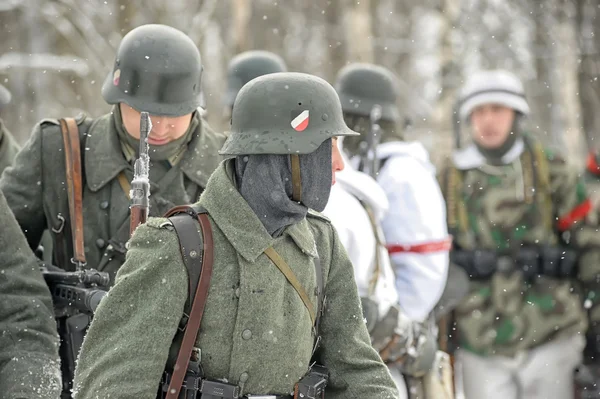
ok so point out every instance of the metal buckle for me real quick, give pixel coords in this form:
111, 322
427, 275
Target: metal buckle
62, 224
196, 354
183, 322
79, 265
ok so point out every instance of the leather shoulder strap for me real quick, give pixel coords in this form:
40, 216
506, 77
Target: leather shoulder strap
288, 273
197, 254
72, 148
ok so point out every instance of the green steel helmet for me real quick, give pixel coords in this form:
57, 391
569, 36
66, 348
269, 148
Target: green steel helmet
158, 70
249, 65
5, 96
361, 86
284, 113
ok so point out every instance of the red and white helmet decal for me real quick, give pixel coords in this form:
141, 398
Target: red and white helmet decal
300, 122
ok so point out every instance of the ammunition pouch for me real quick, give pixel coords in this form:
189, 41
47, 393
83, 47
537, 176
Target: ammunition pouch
311, 386
532, 261
555, 262
196, 387
478, 264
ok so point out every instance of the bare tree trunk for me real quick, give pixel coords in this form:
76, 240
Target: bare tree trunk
359, 32
543, 96
567, 125
587, 17
335, 32
443, 116
242, 12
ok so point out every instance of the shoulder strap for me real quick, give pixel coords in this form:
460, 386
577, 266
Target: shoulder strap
379, 243
197, 254
451, 181
72, 149
543, 193
315, 314
287, 271
320, 297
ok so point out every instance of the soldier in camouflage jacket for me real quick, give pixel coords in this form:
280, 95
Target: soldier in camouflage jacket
518, 215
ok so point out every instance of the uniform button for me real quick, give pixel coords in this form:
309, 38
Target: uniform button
100, 243
247, 334
244, 377
237, 292
104, 205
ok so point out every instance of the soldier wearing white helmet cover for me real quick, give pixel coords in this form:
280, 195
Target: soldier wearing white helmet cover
517, 214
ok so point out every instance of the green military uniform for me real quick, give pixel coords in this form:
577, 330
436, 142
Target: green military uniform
256, 332
37, 195
35, 188
29, 364
8, 147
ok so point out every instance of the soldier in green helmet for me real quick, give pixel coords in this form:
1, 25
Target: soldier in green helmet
257, 335
414, 226
157, 70
8, 145
246, 66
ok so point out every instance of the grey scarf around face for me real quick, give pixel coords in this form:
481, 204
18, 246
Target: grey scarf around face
265, 182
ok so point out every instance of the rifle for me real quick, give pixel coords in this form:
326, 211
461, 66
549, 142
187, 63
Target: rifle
78, 290
75, 296
369, 162
140, 185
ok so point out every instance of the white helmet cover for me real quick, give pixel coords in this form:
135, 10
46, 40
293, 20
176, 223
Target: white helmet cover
492, 87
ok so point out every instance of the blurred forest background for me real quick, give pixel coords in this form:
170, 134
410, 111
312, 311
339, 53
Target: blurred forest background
55, 54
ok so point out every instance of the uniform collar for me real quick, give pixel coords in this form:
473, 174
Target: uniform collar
242, 227
104, 158
471, 158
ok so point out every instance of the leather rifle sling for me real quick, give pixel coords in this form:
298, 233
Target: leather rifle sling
72, 146
193, 324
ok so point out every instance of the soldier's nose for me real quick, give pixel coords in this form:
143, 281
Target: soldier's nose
159, 126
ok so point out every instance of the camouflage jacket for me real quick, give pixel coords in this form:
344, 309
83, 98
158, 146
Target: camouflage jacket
592, 180
8, 147
536, 199
37, 194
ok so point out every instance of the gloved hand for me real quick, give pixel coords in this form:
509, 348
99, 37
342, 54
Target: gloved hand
405, 343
